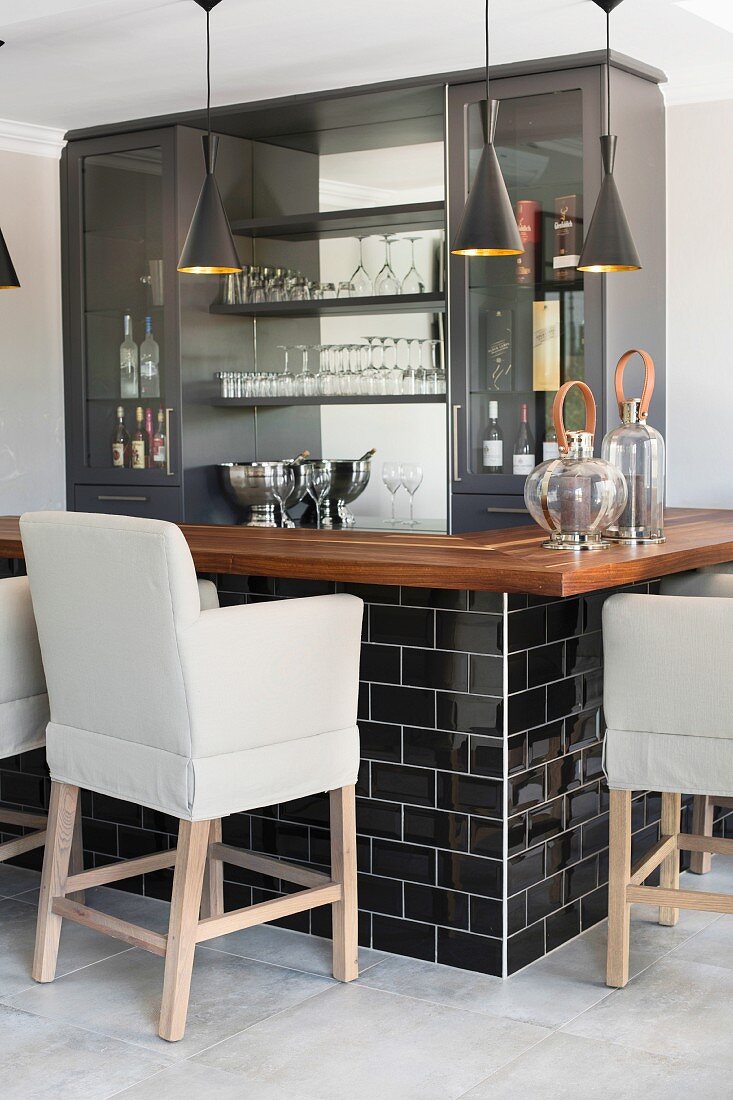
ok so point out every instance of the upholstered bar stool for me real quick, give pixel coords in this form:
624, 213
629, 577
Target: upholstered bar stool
668, 702
196, 713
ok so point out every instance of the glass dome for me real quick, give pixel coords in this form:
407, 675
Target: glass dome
575, 497
637, 450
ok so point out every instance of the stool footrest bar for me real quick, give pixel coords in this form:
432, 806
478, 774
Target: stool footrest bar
115, 872
651, 860
680, 899
20, 817
268, 910
716, 844
268, 865
108, 925
23, 844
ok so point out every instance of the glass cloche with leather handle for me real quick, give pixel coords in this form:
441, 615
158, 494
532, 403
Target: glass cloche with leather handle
637, 450
576, 496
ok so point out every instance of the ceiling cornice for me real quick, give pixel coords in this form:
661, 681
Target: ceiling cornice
34, 141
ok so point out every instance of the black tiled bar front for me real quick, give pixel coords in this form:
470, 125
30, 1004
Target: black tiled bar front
481, 810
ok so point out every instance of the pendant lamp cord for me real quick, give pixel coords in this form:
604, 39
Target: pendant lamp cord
208, 71
487, 52
608, 72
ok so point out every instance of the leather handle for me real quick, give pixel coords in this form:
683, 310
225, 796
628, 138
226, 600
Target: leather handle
557, 411
648, 388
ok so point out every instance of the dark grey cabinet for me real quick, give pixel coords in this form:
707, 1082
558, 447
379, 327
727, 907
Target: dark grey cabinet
519, 328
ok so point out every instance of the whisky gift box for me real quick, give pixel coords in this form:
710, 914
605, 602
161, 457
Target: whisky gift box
568, 227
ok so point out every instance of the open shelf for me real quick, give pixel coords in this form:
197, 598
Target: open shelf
344, 307
541, 286
346, 223
361, 399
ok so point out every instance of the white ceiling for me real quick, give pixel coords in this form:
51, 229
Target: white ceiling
72, 63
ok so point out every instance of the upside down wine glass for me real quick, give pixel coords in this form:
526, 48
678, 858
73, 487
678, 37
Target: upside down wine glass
413, 281
386, 281
360, 282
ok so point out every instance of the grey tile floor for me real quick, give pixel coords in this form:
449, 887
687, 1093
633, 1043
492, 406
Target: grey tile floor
266, 1020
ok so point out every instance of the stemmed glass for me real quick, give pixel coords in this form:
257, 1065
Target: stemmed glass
412, 282
317, 483
411, 478
386, 281
285, 382
283, 483
392, 478
360, 281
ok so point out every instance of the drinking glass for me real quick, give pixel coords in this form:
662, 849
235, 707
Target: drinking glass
317, 483
283, 483
285, 381
363, 287
411, 479
386, 281
346, 290
300, 291
392, 478
413, 281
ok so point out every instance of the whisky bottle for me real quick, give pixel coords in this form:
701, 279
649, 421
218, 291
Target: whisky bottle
493, 443
149, 437
523, 453
120, 442
159, 443
139, 442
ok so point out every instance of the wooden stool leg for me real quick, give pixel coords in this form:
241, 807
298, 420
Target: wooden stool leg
619, 873
343, 870
212, 898
193, 846
76, 859
703, 810
59, 837
669, 871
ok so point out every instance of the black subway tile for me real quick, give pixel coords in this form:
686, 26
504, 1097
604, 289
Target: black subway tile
438, 828
583, 729
516, 913
375, 818
402, 783
469, 632
582, 805
426, 903
466, 951
470, 794
106, 808
372, 593
487, 838
545, 821
406, 861
140, 842
402, 705
525, 870
524, 947
435, 668
526, 789
562, 926
594, 907
445, 598
517, 671
297, 587
544, 743
581, 879
583, 653
486, 601
595, 835
401, 625
487, 675
562, 851
487, 756
593, 763
486, 916
380, 663
380, 895
564, 619
564, 774
312, 809
544, 898
286, 839
403, 937
526, 709
380, 741
546, 663
470, 874
436, 749
527, 628
564, 697
517, 753
468, 713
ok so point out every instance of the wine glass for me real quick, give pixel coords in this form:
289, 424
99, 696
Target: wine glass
386, 281
283, 483
412, 282
362, 284
411, 478
317, 483
392, 478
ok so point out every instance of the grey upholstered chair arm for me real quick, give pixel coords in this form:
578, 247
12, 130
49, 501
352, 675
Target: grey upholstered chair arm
668, 664
698, 584
272, 672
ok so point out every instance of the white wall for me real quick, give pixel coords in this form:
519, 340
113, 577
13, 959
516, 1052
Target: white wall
31, 362
700, 305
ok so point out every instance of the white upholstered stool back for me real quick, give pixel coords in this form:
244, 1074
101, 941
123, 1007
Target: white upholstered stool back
23, 698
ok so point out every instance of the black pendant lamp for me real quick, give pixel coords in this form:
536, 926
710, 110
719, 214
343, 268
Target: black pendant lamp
8, 278
209, 247
609, 245
488, 226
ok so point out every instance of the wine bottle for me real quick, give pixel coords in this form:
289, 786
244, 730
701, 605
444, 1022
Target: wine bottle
159, 443
139, 442
129, 378
493, 448
149, 437
550, 448
523, 454
149, 363
120, 442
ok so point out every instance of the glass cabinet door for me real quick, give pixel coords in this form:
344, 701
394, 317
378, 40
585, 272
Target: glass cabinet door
124, 313
518, 323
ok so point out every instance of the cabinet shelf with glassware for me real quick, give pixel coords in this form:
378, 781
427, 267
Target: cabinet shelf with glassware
521, 326
344, 307
323, 224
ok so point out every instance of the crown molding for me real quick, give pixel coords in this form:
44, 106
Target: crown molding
34, 141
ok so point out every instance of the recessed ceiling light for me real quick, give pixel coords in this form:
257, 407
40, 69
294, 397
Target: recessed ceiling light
718, 12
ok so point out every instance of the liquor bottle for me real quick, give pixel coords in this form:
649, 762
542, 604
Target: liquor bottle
523, 454
159, 443
529, 224
120, 441
550, 448
129, 379
139, 442
149, 363
149, 437
568, 237
493, 442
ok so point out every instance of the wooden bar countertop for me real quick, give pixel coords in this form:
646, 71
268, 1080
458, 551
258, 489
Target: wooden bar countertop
511, 560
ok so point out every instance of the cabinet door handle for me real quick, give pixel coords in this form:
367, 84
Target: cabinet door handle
510, 511
168, 444
111, 496
456, 410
